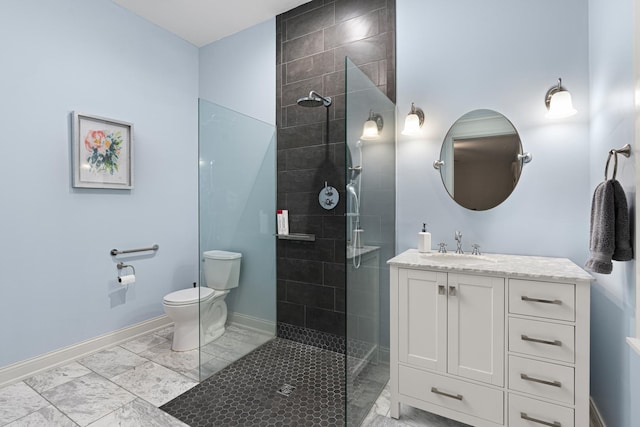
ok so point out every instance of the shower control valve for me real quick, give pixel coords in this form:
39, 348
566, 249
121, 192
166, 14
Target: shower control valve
328, 197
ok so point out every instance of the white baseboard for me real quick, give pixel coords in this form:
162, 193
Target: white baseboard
595, 419
261, 325
26, 368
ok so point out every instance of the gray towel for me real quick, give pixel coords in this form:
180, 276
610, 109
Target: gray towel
622, 250
610, 232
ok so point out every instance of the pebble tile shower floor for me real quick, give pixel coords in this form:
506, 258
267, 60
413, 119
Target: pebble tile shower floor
245, 393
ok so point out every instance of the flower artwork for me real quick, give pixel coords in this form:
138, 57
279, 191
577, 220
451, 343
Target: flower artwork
102, 153
103, 149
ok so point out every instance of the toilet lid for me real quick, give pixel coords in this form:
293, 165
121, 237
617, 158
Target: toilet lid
188, 296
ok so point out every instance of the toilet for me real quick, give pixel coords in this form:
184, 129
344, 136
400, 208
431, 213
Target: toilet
206, 303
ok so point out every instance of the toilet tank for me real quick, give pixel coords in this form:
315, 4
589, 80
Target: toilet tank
221, 269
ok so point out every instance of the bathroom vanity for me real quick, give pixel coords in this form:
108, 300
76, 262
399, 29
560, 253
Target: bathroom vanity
490, 340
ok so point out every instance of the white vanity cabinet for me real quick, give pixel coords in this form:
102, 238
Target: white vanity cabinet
496, 340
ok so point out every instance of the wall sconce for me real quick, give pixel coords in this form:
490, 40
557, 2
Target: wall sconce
558, 102
414, 121
372, 127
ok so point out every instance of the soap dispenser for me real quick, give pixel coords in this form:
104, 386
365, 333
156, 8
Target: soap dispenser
424, 239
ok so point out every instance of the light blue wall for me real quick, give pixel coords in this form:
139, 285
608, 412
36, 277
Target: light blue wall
238, 162
614, 366
453, 57
57, 278
239, 72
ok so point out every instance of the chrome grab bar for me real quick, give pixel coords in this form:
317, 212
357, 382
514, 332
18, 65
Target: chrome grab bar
549, 342
115, 252
537, 380
544, 301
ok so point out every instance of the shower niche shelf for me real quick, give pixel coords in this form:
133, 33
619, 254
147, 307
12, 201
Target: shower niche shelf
297, 236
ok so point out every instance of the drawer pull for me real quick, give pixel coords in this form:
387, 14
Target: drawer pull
452, 291
442, 393
554, 342
544, 301
441, 290
537, 380
524, 416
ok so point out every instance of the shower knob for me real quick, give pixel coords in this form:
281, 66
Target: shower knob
328, 197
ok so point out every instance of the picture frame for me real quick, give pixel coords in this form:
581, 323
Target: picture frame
102, 152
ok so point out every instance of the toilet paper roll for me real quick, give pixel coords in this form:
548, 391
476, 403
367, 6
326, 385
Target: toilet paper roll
127, 280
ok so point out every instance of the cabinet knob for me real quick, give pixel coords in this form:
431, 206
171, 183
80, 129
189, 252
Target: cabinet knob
452, 291
441, 290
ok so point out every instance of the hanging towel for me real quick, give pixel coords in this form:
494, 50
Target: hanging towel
602, 240
610, 228
622, 250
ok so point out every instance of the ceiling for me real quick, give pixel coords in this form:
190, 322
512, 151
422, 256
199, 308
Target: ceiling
201, 22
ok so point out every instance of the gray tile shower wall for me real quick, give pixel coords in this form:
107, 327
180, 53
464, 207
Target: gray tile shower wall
312, 41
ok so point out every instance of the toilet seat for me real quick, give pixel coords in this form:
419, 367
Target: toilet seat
190, 296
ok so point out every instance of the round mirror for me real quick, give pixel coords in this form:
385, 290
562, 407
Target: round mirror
481, 160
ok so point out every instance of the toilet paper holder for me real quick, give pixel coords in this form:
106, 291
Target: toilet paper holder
122, 265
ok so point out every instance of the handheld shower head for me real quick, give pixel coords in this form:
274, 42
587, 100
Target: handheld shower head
314, 100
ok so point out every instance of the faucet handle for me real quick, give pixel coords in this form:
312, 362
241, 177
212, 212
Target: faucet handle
458, 235
476, 249
442, 248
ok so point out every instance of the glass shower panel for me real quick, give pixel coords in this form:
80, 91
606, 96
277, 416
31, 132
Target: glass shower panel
370, 194
237, 193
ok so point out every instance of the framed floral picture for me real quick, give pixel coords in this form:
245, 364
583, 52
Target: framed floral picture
102, 151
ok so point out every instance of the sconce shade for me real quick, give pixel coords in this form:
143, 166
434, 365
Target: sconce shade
411, 125
559, 103
370, 130
414, 121
372, 127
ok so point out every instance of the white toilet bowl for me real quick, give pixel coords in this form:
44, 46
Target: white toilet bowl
199, 314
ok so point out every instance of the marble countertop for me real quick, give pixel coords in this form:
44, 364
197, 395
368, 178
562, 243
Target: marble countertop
534, 267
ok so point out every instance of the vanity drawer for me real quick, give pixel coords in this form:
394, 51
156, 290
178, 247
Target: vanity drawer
542, 379
526, 412
542, 299
542, 339
472, 399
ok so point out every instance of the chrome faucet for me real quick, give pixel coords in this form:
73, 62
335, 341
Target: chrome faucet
476, 249
459, 242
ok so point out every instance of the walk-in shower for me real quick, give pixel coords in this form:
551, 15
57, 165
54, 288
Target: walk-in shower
343, 364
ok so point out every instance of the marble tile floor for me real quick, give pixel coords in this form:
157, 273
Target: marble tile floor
126, 384
121, 386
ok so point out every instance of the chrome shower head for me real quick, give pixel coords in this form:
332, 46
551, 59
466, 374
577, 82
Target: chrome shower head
314, 100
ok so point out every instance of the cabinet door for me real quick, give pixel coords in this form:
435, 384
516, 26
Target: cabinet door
422, 307
476, 327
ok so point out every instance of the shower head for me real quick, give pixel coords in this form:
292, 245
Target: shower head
314, 100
